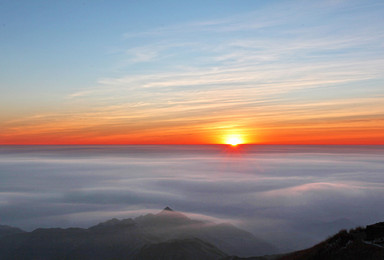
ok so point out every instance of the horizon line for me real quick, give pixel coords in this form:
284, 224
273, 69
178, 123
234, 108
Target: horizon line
132, 144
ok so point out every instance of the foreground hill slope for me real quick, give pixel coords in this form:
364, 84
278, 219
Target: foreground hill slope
356, 244
360, 243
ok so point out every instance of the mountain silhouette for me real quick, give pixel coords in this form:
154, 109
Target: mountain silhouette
167, 235
172, 235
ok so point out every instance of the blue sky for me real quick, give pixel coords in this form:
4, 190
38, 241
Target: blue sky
174, 63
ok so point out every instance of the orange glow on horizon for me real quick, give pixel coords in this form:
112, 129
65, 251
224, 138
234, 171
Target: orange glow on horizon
308, 135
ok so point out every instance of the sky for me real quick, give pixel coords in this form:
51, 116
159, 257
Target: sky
191, 72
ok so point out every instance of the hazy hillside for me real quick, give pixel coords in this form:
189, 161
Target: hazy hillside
7, 230
169, 224
180, 249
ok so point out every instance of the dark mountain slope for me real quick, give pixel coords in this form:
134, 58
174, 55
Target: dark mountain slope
352, 245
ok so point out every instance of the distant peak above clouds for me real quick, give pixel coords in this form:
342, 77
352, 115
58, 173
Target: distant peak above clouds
169, 213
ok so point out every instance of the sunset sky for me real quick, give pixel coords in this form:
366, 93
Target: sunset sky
191, 72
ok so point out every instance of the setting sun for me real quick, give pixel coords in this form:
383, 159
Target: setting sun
234, 140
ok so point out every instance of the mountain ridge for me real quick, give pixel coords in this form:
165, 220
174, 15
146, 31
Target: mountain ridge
119, 239
172, 235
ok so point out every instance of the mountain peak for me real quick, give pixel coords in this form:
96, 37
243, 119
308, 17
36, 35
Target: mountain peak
168, 213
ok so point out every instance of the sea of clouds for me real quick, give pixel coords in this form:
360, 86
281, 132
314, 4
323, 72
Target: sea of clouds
290, 196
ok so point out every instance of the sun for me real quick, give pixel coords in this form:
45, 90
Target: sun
234, 140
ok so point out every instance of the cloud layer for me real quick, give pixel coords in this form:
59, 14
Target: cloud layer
276, 192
